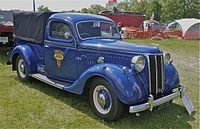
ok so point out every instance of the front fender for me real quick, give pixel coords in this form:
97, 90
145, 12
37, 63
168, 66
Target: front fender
27, 54
127, 87
171, 77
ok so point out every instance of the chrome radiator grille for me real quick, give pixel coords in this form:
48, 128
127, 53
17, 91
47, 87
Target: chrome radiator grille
156, 74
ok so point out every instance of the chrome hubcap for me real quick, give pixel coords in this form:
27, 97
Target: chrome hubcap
21, 68
102, 99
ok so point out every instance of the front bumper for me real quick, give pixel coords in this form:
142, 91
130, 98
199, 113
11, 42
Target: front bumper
154, 103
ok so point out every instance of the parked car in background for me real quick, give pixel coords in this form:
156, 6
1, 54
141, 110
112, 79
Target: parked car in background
6, 28
83, 52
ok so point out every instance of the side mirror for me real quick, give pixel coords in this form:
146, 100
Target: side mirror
67, 35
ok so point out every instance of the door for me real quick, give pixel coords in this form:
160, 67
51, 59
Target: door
60, 52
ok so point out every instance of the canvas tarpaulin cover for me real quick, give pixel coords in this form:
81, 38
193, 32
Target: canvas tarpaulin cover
30, 26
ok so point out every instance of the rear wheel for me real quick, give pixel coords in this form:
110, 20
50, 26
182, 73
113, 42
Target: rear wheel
22, 69
104, 101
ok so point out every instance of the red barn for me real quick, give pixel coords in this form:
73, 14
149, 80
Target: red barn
128, 19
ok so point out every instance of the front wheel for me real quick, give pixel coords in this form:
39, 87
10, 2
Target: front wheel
22, 69
104, 101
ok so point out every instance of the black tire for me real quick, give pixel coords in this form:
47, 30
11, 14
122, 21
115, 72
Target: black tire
25, 76
116, 106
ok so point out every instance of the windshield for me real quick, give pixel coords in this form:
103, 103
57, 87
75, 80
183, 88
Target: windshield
96, 29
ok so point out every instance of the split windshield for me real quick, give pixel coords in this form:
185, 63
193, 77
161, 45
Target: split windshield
96, 29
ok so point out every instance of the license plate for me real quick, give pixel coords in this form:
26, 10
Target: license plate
4, 40
188, 104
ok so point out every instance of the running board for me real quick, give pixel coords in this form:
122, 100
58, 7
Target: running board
55, 83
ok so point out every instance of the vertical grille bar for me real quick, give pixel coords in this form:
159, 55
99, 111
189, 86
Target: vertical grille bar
156, 71
152, 64
163, 73
148, 59
159, 73
156, 74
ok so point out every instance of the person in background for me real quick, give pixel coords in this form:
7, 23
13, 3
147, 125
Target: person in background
119, 26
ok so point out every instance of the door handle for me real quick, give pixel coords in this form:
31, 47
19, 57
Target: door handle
46, 46
83, 56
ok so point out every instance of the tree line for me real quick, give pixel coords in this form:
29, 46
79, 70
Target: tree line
163, 10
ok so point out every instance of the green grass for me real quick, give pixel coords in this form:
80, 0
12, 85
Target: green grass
37, 105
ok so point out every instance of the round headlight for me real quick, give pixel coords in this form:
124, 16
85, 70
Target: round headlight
138, 62
167, 58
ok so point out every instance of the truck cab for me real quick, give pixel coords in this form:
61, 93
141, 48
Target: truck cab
76, 52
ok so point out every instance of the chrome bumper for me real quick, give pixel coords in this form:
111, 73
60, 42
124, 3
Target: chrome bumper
154, 103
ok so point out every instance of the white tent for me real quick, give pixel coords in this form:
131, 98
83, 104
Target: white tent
190, 27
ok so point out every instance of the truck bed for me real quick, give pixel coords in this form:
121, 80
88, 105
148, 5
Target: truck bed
30, 26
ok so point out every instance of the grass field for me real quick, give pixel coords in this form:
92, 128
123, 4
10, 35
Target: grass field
37, 105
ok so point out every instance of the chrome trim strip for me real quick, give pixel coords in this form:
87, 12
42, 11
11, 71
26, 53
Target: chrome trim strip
154, 103
156, 66
150, 54
121, 52
149, 73
47, 81
162, 68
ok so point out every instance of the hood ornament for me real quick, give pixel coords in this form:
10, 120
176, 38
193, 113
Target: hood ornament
155, 45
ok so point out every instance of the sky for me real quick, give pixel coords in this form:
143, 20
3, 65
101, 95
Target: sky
54, 5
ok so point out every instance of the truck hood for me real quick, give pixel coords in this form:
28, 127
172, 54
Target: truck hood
118, 46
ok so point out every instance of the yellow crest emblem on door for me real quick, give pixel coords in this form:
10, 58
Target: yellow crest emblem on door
59, 56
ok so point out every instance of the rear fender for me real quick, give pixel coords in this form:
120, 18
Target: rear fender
27, 54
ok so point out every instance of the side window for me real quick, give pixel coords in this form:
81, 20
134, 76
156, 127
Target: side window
58, 30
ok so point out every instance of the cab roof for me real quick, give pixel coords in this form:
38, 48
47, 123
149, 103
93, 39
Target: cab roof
76, 17
25, 23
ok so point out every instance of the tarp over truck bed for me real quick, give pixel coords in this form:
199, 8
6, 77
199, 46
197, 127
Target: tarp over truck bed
30, 26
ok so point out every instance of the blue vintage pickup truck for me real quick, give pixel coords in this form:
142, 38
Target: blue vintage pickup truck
85, 53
